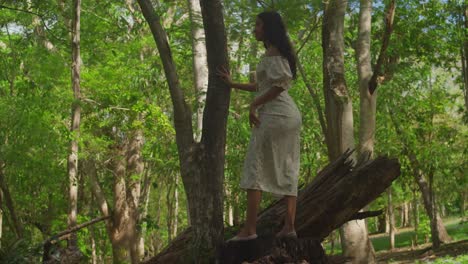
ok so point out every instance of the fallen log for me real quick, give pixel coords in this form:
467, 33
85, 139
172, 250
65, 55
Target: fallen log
334, 197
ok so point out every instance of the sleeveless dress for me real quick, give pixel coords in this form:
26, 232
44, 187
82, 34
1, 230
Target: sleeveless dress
272, 160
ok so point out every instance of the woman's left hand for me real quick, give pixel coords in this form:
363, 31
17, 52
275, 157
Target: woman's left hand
253, 119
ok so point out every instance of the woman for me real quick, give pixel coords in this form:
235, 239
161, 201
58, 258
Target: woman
272, 160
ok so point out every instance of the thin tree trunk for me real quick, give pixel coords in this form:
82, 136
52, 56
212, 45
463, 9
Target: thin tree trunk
6, 196
236, 221
75, 124
200, 69
332, 242
436, 221
415, 217
338, 107
134, 175
406, 222
170, 212
391, 217
364, 69
434, 213
382, 222
93, 246
176, 206
144, 200
120, 229
464, 56
228, 216
387, 223
463, 204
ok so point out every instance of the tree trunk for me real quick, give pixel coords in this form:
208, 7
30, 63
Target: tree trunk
75, 124
236, 221
134, 175
382, 222
120, 233
391, 217
405, 211
121, 228
436, 222
464, 57
6, 196
415, 217
176, 207
170, 210
145, 194
200, 69
463, 203
339, 115
364, 69
93, 247
202, 164
214, 129
338, 108
1, 220
440, 235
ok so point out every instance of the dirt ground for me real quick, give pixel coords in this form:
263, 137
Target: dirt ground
423, 253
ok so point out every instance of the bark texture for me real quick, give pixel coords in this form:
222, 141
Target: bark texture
202, 163
200, 70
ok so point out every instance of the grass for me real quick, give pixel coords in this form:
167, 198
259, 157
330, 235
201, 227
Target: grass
403, 238
446, 260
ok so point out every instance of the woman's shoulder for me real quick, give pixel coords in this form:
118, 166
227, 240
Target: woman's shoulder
273, 59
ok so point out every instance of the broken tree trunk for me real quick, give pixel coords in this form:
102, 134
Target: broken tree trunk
333, 198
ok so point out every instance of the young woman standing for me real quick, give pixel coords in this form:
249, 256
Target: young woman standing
272, 160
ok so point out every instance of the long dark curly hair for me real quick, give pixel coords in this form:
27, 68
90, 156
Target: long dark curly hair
275, 33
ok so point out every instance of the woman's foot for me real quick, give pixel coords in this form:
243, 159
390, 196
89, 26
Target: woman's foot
244, 235
287, 232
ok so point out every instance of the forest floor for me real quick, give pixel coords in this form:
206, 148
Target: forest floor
454, 252
405, 252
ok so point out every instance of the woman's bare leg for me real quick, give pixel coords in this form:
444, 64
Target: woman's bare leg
290, 215
253, 202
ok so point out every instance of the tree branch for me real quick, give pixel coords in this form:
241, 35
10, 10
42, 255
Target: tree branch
36, 14
182, 111
366, 214
386, 39
59, 236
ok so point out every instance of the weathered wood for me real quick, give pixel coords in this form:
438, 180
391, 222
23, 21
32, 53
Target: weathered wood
334, 197
268, 249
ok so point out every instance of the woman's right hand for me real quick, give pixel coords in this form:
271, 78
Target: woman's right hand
225, 75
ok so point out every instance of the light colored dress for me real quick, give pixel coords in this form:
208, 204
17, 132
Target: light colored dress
272, 160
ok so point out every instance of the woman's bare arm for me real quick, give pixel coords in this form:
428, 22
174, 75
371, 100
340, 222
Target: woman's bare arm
226, 76
251, 87
271, 94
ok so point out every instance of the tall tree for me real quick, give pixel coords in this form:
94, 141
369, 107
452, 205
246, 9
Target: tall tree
464, 54
438, 231
202, 164
339, 116
75, 123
